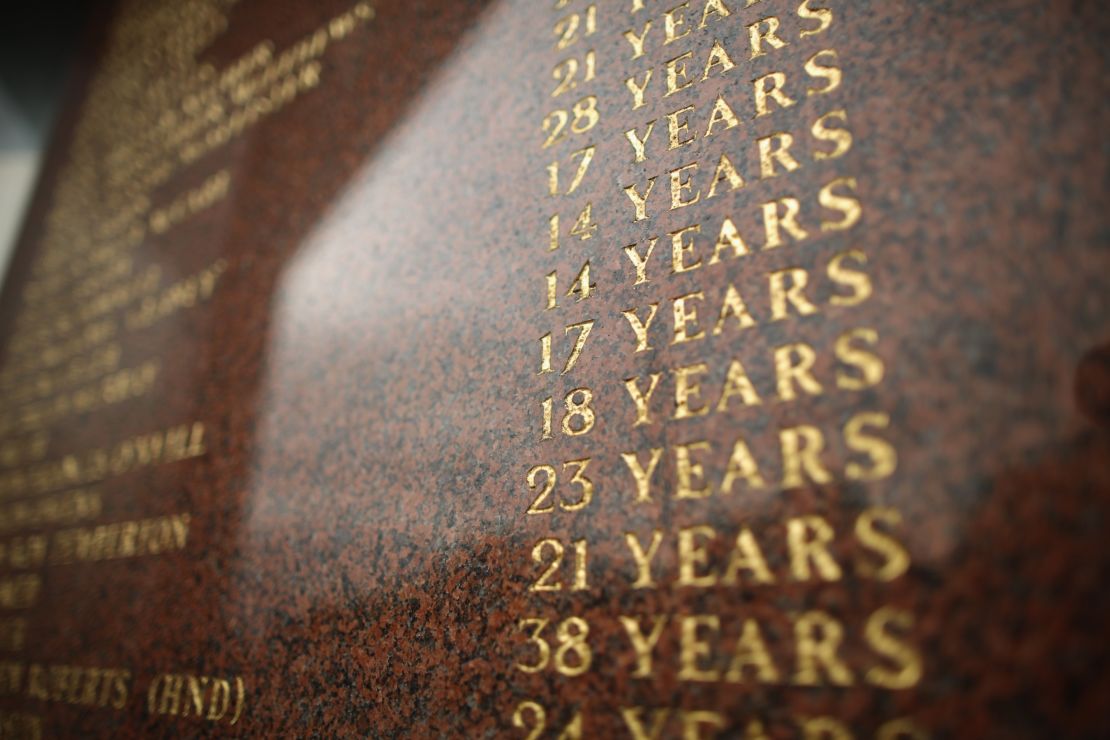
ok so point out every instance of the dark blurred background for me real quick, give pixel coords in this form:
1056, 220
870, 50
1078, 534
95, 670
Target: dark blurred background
40, 42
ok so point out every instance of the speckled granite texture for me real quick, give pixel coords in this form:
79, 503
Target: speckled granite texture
367, 374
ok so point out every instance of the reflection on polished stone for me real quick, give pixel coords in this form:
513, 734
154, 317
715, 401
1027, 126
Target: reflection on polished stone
562, 370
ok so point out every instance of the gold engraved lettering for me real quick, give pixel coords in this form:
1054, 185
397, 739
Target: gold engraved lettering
823, 16
690, 473
774, 221
741, 464
773, 91
747, 556
685, 319
906, 670
677, 128
676, 74
640, 201
732, 306
847, 205
895, 557
643, 645
786, 288
639, 143
722, 113
639, 262
763, 31
210, 698
548, 579
819, 66
868, 365
680, 247
775, 148
679, 185
687, 389
640, 327
728, 237
725, 171
642, 473
170, 445
708, 641
801, 449
840, 136
535, 727
883, 458
858, 281
692, 557
807, 540
642, 399
818, 638
693, 649
751, 653
718, 8
120, 540
673, 20
718, 57
78, 685
638, 89
637, 41
643, 557
793, 369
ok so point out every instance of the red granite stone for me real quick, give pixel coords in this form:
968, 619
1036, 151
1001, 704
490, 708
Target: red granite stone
359, 552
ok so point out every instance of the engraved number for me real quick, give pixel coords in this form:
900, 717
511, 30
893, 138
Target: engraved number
567, 28
539, 716
584, 328
555, 122
543, 654
535, 727
548, 580
546, 404
583, 116
587, 156
566, 72
584, 227
580, 286
579, 409
572, 655
540, 504
579, 418
552, 568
